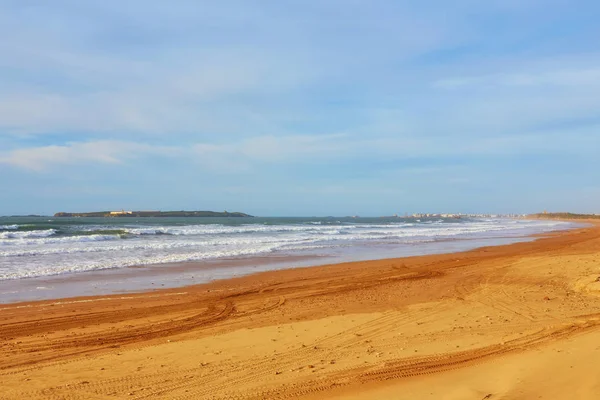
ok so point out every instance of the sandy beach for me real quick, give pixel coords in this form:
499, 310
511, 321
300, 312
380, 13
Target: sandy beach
519, 321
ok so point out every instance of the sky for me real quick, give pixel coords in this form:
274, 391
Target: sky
300, 108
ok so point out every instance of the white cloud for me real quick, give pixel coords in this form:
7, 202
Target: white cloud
293, 148
44, 158
511, 96
189, 100
560, 77
243, 156
195, 68
246, 155
57, 84
276, 149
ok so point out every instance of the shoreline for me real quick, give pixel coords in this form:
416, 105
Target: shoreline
343, 330
281, 263
149, 277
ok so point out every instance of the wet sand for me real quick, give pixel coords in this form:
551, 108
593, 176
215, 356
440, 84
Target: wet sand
509, 322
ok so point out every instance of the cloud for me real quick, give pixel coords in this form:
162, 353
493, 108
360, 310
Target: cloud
41, 159
194, 99
242, 156
52, 82
192, 69
352, 147
246, 155
294, 148
567, 77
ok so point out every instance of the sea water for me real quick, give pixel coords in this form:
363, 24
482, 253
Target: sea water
45, 247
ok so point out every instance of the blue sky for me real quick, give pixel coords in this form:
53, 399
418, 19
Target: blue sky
300, 107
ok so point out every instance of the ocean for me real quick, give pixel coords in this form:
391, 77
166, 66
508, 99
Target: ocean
51, 250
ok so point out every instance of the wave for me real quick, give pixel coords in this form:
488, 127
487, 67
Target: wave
46, 240
9, 227
84, 248
27, 234
309, 227
249, 234
60, 269
220, 229
131, 246
100, 231
107, 243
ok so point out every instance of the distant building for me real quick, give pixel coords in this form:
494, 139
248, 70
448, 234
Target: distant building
122, 212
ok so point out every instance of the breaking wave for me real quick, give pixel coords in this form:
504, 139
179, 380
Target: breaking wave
51, 247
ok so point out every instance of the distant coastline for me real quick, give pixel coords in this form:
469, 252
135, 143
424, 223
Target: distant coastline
564, 216
144, 214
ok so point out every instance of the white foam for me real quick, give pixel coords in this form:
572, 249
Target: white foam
27, 234
40, 239
9, 227
220, 229
127, 261
44, 252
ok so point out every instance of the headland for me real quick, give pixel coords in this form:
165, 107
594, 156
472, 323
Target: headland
148, 214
